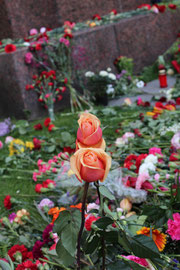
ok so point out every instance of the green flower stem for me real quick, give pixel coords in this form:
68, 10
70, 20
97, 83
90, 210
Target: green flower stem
53, 263
102, 239
86, 186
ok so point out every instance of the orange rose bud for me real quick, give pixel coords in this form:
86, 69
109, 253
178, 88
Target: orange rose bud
89, 133
90, 164
126, 205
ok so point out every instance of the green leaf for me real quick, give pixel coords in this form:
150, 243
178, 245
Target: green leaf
62, 221
106, 193
111, 237
69, 237
63, 255
5, 266
144, 247
66, 137
50, 149
103, 222
118, 265
92, 244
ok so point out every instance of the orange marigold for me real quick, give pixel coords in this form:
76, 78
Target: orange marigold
158, 237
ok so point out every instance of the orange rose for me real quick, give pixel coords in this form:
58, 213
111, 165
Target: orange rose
89, 133
90, 164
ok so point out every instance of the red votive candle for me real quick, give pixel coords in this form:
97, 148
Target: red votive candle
163, 79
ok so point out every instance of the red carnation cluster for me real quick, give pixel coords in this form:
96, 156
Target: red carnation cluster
19, 253
47, 123
7, 202
96, 17
161, 8
38, 126
37, 143
45, 186
27, 265
89, 221
135, 161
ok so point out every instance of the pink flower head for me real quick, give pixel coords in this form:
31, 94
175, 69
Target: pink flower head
33, 31
155, 150
45, 203
64, 41
141, 179
8, 139
1, 145
175, 141
128, 135
174, 227
28, 58
138, 260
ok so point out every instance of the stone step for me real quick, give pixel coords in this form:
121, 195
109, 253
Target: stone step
142, 37
18, 17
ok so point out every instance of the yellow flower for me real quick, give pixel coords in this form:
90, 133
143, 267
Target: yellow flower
14, 147
158, 237
29, 145
150, 113
92, 24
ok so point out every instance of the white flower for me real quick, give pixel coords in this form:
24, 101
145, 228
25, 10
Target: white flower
8, 139
151, 159
89, 74
109, 69
110, 89
103, 73
175, 141
119, 142
26, 44
170, 72
140, 84
42, 30
127, 136
91, 206
146, 167
112, 76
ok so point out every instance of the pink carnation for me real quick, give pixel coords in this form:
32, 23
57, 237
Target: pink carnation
33, 31
174, 227
155, 150
1, 145
128, 135
141, 179
138, 260
175, 141
28, 58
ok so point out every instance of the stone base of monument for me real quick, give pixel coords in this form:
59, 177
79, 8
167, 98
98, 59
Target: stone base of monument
142, 37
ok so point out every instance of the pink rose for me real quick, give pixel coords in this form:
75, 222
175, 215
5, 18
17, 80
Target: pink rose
89, 133
90, 164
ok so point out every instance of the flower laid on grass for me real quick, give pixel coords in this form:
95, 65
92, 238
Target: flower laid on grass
17, 146
158, 237
174, 227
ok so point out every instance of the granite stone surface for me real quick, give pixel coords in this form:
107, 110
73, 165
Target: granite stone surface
19, 16
142, 37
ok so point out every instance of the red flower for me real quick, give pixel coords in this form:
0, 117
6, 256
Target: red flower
27, 265
162, 99
114, 11
37, 143
48, 183
97, 17
47, 121
60, 97
139, 160
159, 105
172, 6
0, 43
131, 182
89, 221
145, 6
178, 101
38, 188
7, 202
129, 161
137, 132
51, 127
68, 149
37, 253
173, 157
65, 80
38, 47
14, 252
68, 35
9, 48
29, 87
161, 8
38, 127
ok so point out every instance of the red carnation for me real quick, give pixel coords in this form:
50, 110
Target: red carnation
9, 48
178, 101
68, 149
65, 80
38, 127
37, 143
51, 127
49, 183
97, 17
29, 87
27, 265
38, 188
7, 202
16, 251
89, 221
47, 121
137, 132
38, 47
161, 8
68, 35
173, 157
114, 11
130, 161
139, 160
145, 6
172, 6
